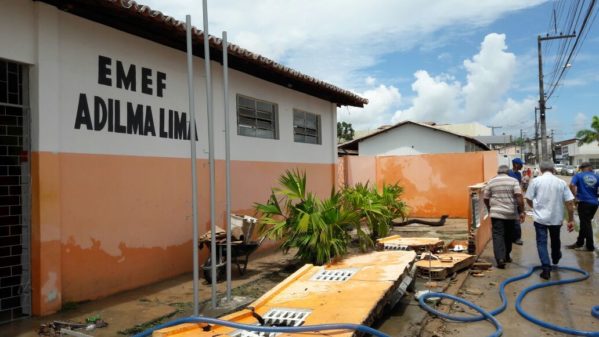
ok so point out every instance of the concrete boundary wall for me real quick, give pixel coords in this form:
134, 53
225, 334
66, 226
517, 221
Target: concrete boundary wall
434, 184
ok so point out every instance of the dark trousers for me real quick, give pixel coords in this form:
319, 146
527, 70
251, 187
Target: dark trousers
586, 212
503, 236
517, 230
556, 253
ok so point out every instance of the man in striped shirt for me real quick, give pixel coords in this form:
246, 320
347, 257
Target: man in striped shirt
503, 198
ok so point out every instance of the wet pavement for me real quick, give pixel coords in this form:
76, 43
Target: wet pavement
567, 305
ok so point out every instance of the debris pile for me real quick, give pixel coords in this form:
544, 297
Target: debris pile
63, 328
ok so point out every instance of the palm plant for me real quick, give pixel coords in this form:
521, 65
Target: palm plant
376, 210
588, 136
318, 229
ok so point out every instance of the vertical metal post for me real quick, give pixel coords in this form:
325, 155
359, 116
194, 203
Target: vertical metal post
210, 151
537, 156
194, 178
543, 156
227, 158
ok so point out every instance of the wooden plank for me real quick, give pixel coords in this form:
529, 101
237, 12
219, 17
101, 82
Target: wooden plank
447, 264
418, 244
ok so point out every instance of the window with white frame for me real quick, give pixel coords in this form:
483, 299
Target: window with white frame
306, 127
256, 118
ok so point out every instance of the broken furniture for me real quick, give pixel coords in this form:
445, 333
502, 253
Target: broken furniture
243, 230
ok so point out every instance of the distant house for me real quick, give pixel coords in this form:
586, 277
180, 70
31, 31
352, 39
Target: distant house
410, 138
565, 151
467, 129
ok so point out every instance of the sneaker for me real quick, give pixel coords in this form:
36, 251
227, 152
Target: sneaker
518, 242
573, 246
508, 259
583, 249
545, 274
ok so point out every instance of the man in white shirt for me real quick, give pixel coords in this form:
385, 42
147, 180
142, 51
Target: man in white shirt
547, 194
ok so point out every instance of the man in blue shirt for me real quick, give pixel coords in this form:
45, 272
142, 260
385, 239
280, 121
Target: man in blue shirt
584, 186
517, 164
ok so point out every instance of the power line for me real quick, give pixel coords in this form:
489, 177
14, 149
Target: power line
576, 42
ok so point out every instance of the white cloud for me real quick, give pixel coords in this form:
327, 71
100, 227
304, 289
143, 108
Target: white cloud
382, 98
490, 73
489, 76
436, 100
370, 81
333, 39
513, 113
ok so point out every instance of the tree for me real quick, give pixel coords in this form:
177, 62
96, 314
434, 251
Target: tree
345, 132
519, 141
588, 136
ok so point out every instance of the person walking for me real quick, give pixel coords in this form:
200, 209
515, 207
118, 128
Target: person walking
503, 198
584, 186
547, 195
515, 173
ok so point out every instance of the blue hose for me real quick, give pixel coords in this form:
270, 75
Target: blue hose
484, 315
519, 299
260, 328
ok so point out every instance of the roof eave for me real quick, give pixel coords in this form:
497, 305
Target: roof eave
142, 21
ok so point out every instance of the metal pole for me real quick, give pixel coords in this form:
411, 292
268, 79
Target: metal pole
227, 159
542, 104
194, 178
521, 143
210, 151
536, 137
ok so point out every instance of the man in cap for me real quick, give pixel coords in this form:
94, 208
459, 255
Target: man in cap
584, 186
503, 198
515, 173
546, 195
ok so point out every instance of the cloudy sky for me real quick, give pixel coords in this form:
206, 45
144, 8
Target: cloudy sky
446, 61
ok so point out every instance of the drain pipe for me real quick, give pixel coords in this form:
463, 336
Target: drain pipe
210, 150
194, 177
227, 159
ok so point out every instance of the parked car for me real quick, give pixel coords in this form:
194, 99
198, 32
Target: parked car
559, 168
570, 170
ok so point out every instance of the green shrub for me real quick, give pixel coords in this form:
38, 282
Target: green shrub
375, 210
320, 229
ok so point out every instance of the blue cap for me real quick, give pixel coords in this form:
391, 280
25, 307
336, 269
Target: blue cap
517, 161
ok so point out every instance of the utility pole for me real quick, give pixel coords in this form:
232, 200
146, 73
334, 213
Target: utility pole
493, 129
521, 143
542, 121
536, 137
553, 159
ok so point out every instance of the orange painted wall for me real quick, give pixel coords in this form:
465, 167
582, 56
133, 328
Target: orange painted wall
361, 169
103, 223
435, 184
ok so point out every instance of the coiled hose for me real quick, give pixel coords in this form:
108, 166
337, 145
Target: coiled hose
519, 299
484, 315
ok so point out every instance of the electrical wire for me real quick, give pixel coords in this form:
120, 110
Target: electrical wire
571, 53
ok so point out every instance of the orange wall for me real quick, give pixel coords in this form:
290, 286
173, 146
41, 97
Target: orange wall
103, 223
434, 184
